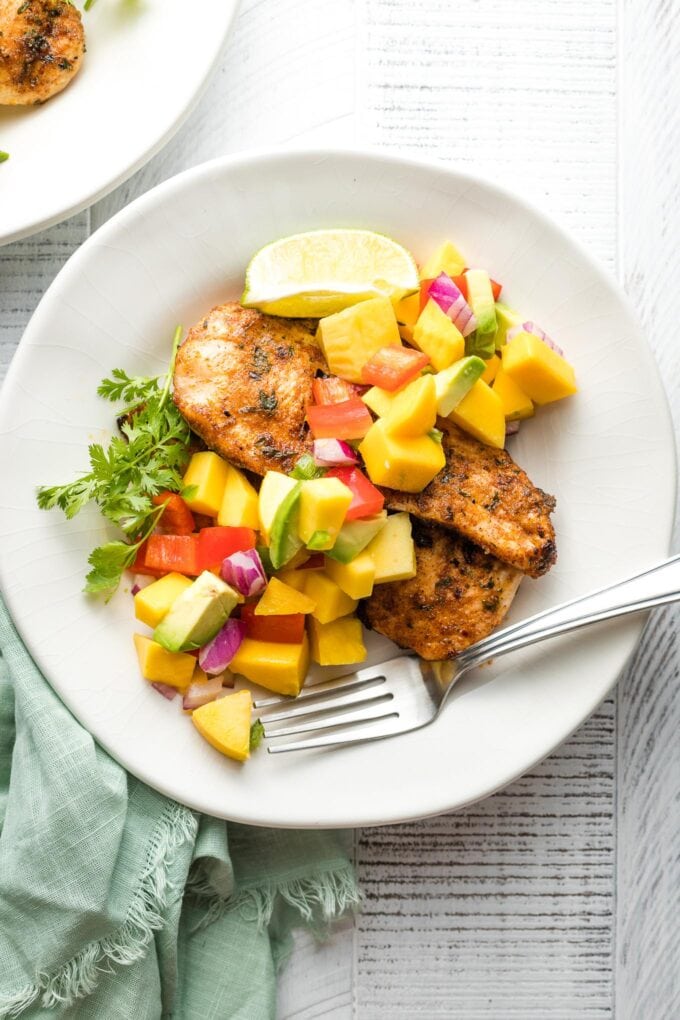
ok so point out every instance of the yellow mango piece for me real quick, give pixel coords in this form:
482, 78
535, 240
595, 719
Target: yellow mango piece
539, 371
380, 401
400, 462
154, 601
274, 489
330, 600
480, 413
239, 507
278, 667
323, 505
516, 404
160, 666
280, 599
392, 550
293, 578
436, 336
356, 578
414, 409
337, 643
407, 310
350, 338
209, 474
491, 371
225, 724
446, 259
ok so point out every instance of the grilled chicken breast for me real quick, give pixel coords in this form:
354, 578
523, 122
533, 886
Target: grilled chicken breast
489, 500
41, 48
458, 596
243, 381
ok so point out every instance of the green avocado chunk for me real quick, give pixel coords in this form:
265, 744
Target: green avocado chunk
354, 536
284, 540
197, 614
481, 301
454, 382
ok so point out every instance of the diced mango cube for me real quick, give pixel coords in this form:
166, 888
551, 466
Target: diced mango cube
323, 505
274, 489
337, 643
480, 413
392, 550
380, 401
446, 259
356, 578
209, 474
516, 404
400, 462
225, 724
329, 598
278, 667
293, 578
537, 369
154, 601
407, 310
280, 599
414, 409
350, 338
436, 335
491, 371
239, 507
160, 666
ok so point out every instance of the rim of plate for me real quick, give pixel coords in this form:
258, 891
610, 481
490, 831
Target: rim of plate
157, 142
435, 800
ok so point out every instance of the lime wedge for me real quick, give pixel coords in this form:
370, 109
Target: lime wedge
324, 271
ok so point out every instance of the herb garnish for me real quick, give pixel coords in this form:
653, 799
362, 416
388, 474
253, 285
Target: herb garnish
4, 156
256, 735
149, 457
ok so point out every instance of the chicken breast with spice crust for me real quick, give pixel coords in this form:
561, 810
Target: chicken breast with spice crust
243, 381
41, 49
458, 596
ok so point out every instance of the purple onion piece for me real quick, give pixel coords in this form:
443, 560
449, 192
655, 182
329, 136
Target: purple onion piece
450, 299
200, 692
218, 653
333, 452
165, 689
135, 589
511, 428
244, 572
531, 327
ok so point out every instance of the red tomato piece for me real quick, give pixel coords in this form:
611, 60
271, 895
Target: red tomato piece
215, 544
331, 389
461, 284
140, 565
425, 292
393, 367
350, 419
366, 499
177, 518
287, 630
496, 289
168, 553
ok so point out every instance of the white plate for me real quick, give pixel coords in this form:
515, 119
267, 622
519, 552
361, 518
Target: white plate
607, 454
145, 66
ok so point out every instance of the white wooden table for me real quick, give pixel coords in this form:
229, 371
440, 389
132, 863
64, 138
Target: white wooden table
557, 898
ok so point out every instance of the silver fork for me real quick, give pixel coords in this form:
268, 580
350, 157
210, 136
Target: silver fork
406, 693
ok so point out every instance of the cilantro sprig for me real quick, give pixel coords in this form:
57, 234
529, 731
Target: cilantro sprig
147, 458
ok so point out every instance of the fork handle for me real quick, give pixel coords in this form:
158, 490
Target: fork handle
653, 587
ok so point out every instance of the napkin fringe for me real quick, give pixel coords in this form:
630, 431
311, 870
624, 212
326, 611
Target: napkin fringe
80, 975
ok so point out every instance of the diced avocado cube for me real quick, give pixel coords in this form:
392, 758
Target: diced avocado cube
355, 536
284, 540
454, 382
481, 300
273, 490
197, 614
506, 319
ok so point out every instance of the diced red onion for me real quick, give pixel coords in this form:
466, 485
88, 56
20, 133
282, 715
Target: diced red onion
200, 692
531, 327
134, 589
218, 653
450, 299
244, 572
166, 690
333, 452
140, 581
511, 428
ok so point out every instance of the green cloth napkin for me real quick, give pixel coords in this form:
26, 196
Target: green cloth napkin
117, 902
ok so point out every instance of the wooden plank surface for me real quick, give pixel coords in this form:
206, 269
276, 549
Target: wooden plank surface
558, 897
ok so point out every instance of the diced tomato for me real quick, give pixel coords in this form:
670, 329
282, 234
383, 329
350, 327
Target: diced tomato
177, 518
168, 553
461, 284
350, 419
366, 499
202, 521
140, 565
317, 561
425, 292
331, 389
215, 544
288, 630
393, 367
496, 289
